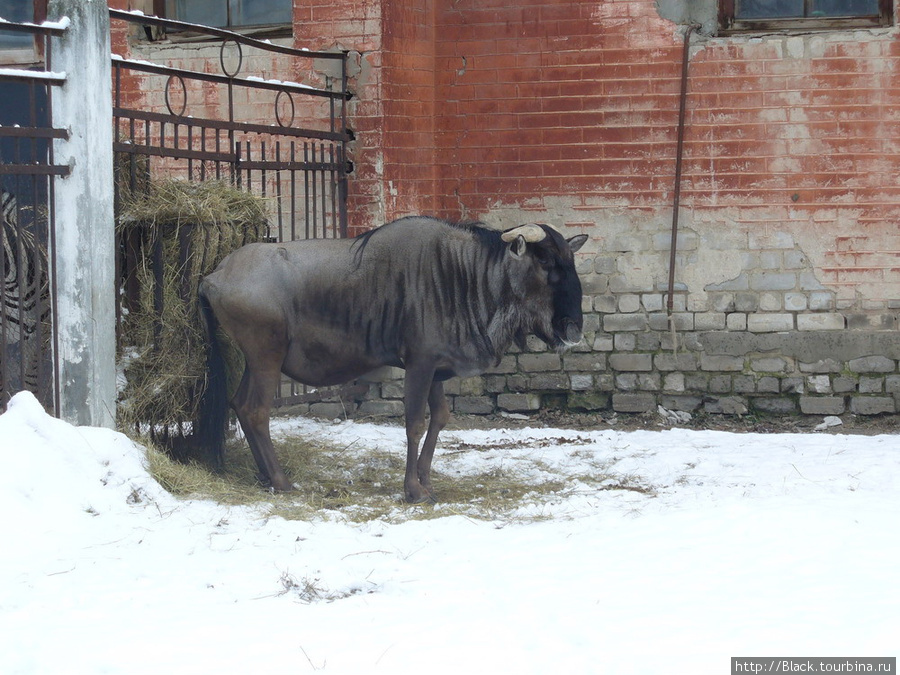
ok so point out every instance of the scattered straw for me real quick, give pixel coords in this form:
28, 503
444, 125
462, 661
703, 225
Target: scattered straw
361, 485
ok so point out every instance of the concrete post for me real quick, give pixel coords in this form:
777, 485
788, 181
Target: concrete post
85, 229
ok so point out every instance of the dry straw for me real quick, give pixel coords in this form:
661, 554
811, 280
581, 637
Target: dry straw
350, 483
359, 483
177, 232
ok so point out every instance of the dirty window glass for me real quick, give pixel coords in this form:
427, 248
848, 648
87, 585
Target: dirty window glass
761, 15
15, 11
844, 8
230, 13
255, 12
758, 9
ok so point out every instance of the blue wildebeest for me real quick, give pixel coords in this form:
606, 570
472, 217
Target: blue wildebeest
434, 298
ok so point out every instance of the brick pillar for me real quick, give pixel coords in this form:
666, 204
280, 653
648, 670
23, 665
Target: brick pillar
392, 113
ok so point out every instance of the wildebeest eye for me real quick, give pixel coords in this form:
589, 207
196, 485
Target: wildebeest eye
545, 260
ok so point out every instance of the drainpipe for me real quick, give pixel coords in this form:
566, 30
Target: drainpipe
679, 152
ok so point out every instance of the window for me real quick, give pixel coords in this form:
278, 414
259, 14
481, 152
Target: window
16, 11
781, 15
18, 48
230, 13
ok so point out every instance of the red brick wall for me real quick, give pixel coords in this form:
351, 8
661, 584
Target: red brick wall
131, 89
570, 109
555, 98
567, 110
409, 106
579, 100
392, 113
355, 26
787, 273
800, 133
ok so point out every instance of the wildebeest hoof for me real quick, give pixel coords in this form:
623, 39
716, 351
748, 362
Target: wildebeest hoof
423, 497
280, 485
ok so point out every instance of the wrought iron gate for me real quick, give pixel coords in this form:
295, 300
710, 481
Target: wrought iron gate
293, 151
278, 139
27, 329
283, 141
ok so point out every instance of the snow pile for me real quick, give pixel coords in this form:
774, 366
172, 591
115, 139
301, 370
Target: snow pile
52, 471
733, 545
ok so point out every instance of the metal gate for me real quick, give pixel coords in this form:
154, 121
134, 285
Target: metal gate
27, 329
293, 151
283, 141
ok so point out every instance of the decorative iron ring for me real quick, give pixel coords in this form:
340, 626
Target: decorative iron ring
181, 112
277, 115
222, 58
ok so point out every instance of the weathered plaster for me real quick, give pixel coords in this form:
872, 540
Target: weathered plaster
85, 230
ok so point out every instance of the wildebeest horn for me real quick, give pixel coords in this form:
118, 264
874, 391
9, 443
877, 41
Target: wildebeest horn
531, 232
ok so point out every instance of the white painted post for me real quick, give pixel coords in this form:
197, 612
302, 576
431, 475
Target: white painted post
85, 229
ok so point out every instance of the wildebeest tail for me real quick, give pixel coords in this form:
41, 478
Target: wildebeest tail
214, 405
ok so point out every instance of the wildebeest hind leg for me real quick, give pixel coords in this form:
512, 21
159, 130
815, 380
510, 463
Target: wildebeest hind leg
440, 415
253, 404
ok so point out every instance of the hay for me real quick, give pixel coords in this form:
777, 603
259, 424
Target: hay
180, 232
362, 484
212, 204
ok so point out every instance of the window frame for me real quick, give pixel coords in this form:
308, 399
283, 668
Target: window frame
729, 25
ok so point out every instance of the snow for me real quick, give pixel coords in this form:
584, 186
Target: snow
736, 545
137, 62
279, 83
32, 74
62, 24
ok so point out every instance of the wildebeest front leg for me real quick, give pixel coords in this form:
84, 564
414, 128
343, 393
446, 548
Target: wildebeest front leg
440, 415
416, 386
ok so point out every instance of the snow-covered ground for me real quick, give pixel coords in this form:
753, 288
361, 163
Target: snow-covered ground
735, 545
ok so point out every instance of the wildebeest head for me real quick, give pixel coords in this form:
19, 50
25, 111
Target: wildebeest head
554, 290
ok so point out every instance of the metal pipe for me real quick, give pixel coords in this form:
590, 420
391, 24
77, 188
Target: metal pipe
679, 153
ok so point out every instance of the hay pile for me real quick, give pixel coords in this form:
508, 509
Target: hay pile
365, 484
177, 233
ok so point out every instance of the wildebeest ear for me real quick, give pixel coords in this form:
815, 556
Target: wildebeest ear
518, 247
577, 241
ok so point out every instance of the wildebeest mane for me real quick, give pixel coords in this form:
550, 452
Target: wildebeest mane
488, 237
440, 282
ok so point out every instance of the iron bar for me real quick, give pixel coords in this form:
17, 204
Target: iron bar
293, 173
33, 132
34, 28
221, 33
144, 67
278, 209
27, 166
34, 169
244, 127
